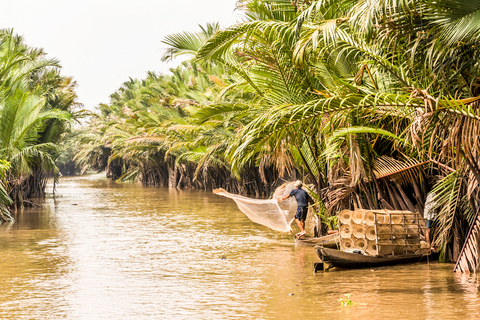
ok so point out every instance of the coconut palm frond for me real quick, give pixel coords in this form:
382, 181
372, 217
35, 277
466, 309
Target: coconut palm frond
188, 43
401, 171
337, 196
24, 161
365, 130
448, 198
5, 199
310, 161
468, 260
465, 107
156, 140
220, 43
130, 175
204, 159
219, 111
458, 21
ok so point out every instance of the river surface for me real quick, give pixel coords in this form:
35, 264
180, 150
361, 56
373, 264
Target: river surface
103, 250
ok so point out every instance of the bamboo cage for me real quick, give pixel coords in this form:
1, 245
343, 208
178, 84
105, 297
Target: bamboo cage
382, 232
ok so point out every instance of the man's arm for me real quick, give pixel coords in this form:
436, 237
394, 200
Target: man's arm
283, 198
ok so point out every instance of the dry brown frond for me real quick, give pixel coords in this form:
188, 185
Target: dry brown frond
469, 261
337, 196
357, 170
403, 172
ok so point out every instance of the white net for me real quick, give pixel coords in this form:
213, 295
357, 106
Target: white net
268, 212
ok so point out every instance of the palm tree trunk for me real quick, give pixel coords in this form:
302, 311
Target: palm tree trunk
405, 198
396, 199
368, 195
457, 240
172, 174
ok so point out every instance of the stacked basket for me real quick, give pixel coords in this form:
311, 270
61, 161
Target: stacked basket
379, 232
352, 230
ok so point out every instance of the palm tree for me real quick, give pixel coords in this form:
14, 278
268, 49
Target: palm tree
22, 119
32, 111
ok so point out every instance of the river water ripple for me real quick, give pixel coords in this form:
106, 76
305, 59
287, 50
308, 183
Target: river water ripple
102, 250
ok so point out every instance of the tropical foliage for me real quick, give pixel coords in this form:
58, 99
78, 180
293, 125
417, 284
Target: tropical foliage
36, 105
374, 103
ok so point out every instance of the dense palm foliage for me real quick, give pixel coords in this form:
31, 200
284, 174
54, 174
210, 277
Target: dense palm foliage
374, 103
36, 105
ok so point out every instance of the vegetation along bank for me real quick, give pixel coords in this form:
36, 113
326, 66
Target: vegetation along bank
373, 104
37, 105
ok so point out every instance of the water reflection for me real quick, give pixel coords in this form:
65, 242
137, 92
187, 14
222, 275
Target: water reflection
102, 250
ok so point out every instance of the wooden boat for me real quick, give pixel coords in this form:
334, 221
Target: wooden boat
329, 241
348, 260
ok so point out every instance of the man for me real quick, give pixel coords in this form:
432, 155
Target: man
303, 199
430, 214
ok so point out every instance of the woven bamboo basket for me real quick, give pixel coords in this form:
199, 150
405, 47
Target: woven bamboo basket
372, 248
358, 230
360, 244
345, 216
410, 218
400, 247
346, 244
385, 247
346, 231
358, 216
396, 218
384, 233
398, 231
412, 230
383, 218
370, 218
370, 233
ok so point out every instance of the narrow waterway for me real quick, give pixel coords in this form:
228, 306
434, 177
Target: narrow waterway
102, 250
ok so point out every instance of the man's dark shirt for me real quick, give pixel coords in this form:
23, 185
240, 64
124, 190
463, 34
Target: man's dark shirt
301, 196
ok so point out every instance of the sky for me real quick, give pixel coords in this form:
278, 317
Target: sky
103, 43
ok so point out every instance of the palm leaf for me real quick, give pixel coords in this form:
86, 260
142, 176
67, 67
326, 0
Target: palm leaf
386, 167
468, 260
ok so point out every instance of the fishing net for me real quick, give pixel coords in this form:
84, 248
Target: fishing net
268, 212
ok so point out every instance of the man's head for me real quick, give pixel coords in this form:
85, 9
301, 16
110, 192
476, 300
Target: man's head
298, 184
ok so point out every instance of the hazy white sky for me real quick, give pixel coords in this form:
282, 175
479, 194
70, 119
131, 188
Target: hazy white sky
101, 43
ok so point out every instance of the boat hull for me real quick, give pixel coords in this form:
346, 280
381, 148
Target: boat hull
330, 241
347, 260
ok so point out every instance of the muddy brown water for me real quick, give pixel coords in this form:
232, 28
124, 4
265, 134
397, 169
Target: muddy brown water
102, 250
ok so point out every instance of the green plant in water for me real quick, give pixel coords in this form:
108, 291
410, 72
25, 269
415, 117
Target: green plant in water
346, 301
331, 222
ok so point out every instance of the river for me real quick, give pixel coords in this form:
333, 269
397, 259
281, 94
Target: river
104, 250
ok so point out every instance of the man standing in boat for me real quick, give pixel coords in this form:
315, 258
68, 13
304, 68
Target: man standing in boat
303, 199
430, 213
